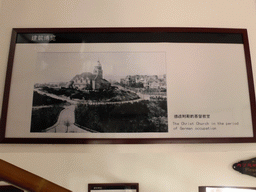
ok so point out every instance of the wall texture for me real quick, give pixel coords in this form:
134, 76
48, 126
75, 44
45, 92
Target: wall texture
155, 167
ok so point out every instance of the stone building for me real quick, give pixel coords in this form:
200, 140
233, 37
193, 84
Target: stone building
148, 81
90, 81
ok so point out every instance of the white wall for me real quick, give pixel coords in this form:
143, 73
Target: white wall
174, 167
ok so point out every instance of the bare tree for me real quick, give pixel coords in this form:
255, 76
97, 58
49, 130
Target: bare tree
67, 123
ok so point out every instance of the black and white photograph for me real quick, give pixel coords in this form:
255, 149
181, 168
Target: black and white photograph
105, 92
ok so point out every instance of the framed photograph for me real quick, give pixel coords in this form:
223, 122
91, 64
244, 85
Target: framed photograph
128, 86
113, 187
226, 189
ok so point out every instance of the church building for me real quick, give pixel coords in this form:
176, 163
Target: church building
90, 81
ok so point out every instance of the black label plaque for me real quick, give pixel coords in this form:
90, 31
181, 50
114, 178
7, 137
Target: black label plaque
247, 167
113, 187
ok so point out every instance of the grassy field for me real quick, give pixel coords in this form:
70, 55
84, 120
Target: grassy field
145, 116
43, 118
45, 112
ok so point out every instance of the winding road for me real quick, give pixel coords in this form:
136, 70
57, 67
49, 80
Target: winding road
65, 123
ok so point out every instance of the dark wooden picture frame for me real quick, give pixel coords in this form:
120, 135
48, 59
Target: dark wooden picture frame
222, 188
113, 186
155, 91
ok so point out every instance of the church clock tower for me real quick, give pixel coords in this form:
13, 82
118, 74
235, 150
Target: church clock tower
98, 71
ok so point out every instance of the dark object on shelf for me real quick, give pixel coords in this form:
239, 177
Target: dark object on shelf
247, 167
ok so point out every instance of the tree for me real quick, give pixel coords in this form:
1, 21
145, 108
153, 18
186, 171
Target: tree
67, 123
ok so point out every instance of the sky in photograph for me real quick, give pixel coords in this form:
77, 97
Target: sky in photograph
63, 66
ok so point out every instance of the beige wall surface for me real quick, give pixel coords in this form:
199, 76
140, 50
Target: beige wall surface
175, 167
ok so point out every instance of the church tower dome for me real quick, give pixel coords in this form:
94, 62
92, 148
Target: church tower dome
98, 70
